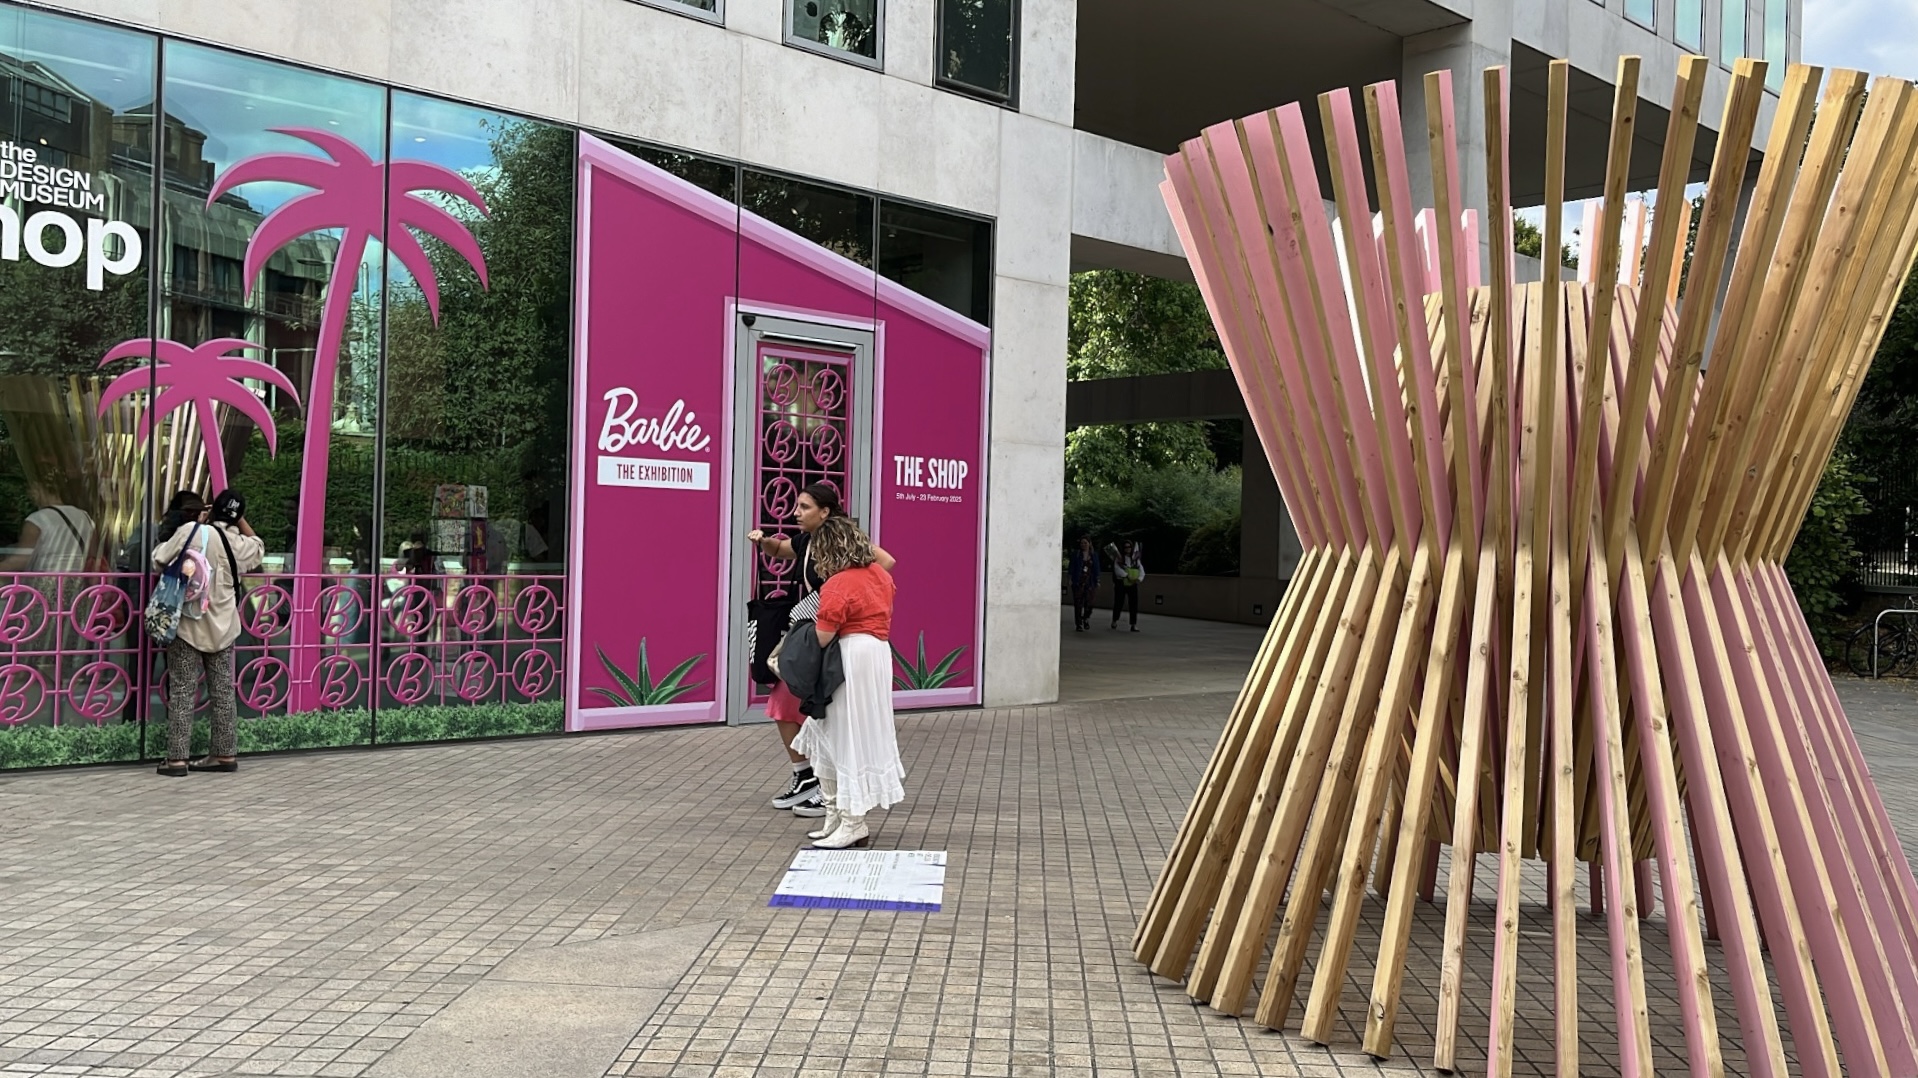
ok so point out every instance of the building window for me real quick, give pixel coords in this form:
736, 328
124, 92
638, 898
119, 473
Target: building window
979, 47
707, 10
839, 220
706, 173
1776, 14
848, 29
46, 101
1731, 32
1689, 30
943, 256
1643, 12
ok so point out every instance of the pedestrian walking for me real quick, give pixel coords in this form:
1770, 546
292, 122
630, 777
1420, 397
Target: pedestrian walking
1085, 583
855, 748
1127, 571
205, 643
816, 504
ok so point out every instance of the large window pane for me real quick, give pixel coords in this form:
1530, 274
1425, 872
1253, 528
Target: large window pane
704, 9
707, 173
1689, 28
1776, 14
1644, 12
838, 220
1731, 31
291, 313
75, 162
978, 46
474, 456
851, 29
942, 256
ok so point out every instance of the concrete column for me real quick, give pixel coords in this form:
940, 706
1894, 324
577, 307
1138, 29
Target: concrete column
1467, 49
1033, 242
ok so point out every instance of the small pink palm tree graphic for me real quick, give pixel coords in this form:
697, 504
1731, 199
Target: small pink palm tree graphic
359, 196
201, 375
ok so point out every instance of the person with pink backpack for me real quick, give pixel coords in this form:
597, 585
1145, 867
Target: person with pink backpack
212, 552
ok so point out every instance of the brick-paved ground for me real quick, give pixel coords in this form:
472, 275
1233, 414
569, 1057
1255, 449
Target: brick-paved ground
303, 916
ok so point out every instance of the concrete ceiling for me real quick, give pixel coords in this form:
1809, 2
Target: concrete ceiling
1154, 73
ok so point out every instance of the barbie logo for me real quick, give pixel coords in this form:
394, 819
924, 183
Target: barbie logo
677, 429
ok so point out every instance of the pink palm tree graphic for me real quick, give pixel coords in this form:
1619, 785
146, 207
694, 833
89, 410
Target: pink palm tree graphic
351, 192
202, 375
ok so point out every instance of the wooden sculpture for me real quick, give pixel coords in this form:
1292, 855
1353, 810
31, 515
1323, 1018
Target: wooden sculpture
1542, 613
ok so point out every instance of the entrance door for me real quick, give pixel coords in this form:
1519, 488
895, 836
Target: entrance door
803, 395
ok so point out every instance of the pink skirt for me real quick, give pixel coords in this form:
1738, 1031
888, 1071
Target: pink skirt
783, 706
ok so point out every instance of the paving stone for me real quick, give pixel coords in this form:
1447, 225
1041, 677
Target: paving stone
319, 913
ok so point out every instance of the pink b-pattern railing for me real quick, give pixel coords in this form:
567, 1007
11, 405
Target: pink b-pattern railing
72, 649
68, 647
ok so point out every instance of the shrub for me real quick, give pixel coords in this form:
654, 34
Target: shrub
1824, 560
84, 743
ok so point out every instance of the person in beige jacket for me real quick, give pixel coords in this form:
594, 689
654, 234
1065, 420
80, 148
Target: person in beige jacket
205, 643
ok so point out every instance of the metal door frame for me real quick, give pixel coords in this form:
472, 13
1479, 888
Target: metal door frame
749, 331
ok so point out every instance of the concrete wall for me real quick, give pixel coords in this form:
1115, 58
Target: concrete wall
737, 91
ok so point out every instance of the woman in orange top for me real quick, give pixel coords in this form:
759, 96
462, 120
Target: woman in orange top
855, 751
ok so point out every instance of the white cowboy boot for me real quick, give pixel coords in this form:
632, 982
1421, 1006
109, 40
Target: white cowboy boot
829, 793
852, 832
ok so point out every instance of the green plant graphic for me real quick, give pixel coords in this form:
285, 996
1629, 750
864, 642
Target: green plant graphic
918, 675
640, 691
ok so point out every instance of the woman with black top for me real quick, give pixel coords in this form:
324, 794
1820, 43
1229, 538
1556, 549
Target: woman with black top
816, 502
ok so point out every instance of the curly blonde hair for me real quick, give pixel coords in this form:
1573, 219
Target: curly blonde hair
839, 544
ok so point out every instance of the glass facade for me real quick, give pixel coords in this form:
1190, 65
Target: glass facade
710, 10
849, 29
355, 306
978, 47
1731, 31
1688, 27
1776, 15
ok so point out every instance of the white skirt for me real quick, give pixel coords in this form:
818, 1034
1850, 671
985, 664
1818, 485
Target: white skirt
856, 748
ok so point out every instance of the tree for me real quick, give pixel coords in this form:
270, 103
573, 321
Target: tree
1124, 324
1528, 240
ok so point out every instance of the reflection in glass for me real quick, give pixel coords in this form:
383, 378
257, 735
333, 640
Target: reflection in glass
839, 220
844, 26
74, 165
479, 400
1731, 31
706, 173
977, 43
1689, 26
1644, 12
942, 256
313, 308
71, 92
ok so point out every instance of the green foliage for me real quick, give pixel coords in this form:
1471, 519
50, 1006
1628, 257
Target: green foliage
1824, 559
1213, 548
637, 689
1528, 240
1159, 507
83, 743
918, 674
1126, 324
481, 398
79, 743
1108, 454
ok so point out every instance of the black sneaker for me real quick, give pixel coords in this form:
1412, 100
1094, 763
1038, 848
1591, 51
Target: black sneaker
813, 807
804, 786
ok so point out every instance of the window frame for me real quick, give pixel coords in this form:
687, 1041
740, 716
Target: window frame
716, 17
1649, 24
875, 62
939, 80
